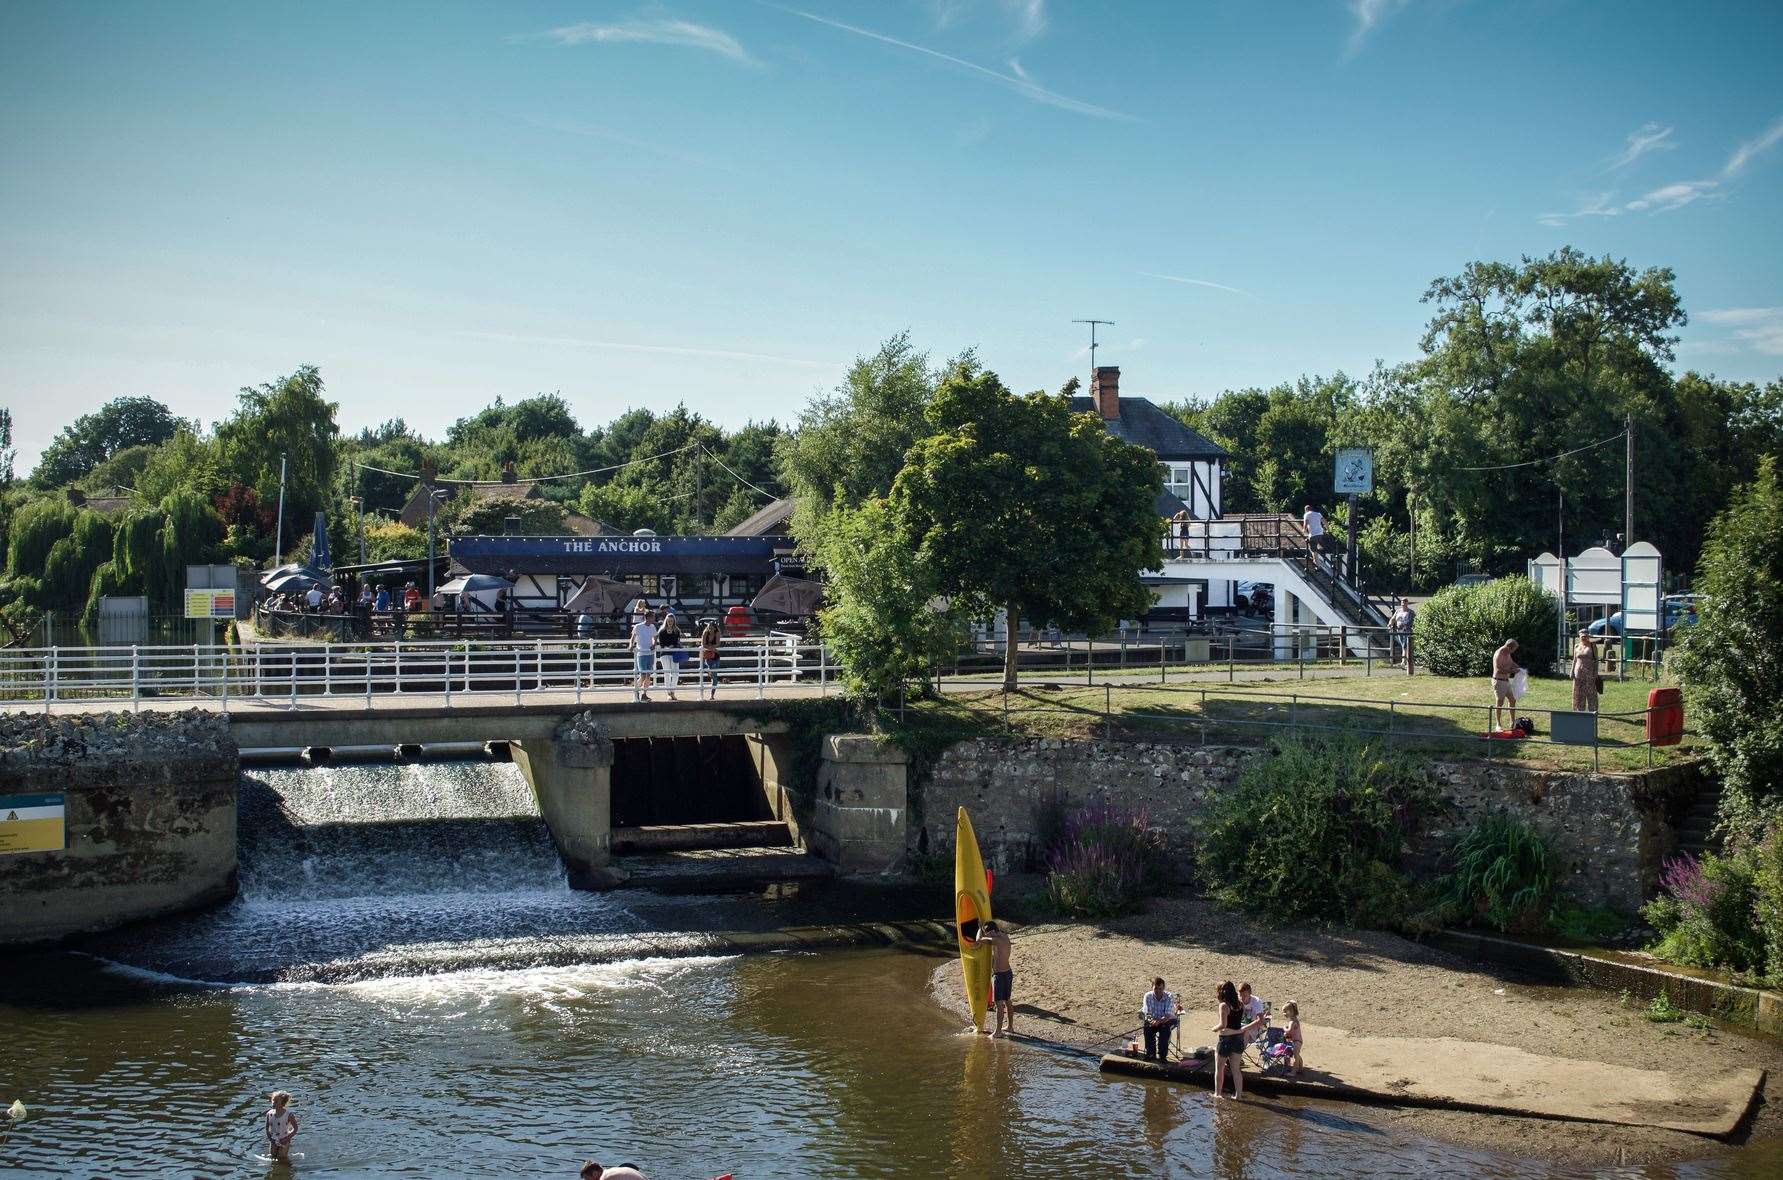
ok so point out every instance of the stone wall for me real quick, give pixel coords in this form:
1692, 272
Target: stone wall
860, 814
1611, 830
150, 818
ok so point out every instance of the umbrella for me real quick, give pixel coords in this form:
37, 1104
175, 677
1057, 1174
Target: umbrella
319, 555
285, 581
789, 596
602, 596
476, 584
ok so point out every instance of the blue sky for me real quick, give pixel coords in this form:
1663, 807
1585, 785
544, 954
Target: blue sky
721, 203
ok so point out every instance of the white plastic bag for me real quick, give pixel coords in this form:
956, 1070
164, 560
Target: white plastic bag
1519, 684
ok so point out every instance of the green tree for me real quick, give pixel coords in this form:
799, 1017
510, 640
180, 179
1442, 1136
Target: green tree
851, 443
91, 439
883, 617
624, 508
1017, 503
1731, 663
489, 517
290, 419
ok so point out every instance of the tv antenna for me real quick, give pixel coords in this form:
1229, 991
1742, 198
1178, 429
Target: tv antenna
1092, 324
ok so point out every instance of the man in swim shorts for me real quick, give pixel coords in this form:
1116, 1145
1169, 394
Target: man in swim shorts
1002, 976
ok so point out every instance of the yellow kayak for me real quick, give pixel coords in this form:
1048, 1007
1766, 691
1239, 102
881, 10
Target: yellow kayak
972, 908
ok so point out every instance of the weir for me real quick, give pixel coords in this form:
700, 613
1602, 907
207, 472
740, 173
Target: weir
686, 796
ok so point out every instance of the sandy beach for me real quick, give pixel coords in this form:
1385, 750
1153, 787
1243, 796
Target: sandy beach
1080, 984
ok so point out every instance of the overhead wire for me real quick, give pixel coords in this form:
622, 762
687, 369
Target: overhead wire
1551, 458
491, 483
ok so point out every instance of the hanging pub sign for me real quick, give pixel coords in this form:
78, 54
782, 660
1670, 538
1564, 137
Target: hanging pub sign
1354, 475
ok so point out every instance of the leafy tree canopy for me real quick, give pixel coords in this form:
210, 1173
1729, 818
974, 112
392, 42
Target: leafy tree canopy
91, 439
1017, 503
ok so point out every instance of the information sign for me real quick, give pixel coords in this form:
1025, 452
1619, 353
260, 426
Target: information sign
210, 604
32, 823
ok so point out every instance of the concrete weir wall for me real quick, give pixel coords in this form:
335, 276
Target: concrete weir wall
1611, 830
150, 819
861, 811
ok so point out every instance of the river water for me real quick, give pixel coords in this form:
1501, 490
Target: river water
439, 1004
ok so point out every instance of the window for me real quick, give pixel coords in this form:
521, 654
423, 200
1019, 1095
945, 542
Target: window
745, 586
651, 583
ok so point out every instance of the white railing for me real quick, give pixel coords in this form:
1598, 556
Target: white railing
446, 671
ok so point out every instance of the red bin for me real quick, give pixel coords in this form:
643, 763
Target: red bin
1665, 717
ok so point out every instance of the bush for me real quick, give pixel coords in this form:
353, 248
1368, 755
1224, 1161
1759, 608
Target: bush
1107, 861
1707, 913
1461, 626
1502, 876
1302, 833
1732, 673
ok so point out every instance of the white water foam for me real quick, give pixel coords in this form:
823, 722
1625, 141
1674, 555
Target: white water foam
549, 986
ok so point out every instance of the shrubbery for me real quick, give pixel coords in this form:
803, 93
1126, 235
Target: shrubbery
1501, 877
1731, 663
1724, 912
1315, 830
1461, 626
1107, 860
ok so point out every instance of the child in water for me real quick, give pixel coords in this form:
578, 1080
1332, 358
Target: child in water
1294, 1036
281, 1127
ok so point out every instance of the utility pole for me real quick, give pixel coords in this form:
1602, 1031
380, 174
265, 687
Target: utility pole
278, 544
1092, 324
1628, 484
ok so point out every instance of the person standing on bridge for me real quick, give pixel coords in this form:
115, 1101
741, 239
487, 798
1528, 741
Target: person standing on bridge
668, 651
643, 648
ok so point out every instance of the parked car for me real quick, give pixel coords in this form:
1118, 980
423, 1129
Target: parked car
1679, 611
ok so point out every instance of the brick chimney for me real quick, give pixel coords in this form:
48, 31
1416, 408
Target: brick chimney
507, 472
1105, 390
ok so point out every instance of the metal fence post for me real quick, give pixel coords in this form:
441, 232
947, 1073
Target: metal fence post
397, 670
516, 675
1300, 655
49, 690
823, 671
293, 703
328, 669
1107, 712
135, 678
448, 654
1089, 659
1343, 644
1231, 659
1163, 643
761, 669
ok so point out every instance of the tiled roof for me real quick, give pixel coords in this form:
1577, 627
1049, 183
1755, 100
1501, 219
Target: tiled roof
770, 519
1145, 425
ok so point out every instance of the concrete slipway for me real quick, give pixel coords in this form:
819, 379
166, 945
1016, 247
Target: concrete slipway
1451, 1074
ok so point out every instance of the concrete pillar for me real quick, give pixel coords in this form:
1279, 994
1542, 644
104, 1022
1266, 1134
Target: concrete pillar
1286, 615
572, 779
773, 762
862, 803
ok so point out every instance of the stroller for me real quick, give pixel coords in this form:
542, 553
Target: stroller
1273, 1049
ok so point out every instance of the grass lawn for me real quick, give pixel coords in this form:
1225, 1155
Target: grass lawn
1443, 714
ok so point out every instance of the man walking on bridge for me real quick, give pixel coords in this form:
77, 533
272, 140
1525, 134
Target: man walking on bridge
643, 647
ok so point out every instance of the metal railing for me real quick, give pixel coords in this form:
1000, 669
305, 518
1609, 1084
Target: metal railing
446, 672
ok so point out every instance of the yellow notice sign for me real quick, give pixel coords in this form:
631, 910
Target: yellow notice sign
210, 604
32, 823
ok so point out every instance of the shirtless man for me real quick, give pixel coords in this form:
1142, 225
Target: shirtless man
1002, 976
1504, 667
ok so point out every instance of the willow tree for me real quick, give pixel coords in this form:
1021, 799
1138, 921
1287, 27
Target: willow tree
1017, 503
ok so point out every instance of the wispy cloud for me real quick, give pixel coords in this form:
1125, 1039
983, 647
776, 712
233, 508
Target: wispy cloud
1370, 15
1029, 17
1026, 18
1595, 205
1759, 327
1150, 274
1753, 147
1020, 83
1648, 137
628, 346
653, 31
1679, 193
